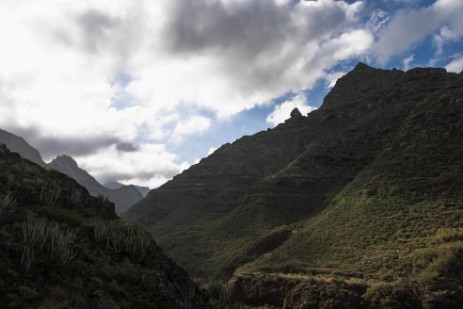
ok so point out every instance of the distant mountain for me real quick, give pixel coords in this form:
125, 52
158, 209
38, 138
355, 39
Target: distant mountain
116, 185
364, 193
62, 248
19, 145
123, 197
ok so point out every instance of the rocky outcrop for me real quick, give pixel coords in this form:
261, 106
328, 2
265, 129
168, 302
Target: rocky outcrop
295, 113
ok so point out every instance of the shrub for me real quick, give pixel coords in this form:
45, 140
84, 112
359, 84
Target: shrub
7, 202
61, 214
123, 236
55, 243
219, 292
430, 263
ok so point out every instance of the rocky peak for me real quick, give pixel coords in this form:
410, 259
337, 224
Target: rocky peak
295, 113
361, 67
361, 83
66, 160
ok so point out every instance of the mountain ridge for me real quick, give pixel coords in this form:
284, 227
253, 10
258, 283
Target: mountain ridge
19, 145
269, 198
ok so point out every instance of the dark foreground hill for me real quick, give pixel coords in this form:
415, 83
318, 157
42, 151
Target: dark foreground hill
367, 188
62, 248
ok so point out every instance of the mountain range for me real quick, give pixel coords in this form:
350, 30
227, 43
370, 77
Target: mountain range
362, 196
358, 204
123, 196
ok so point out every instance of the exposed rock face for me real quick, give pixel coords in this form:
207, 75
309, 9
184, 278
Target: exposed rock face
123, 197
382, 153
62, 248
19, 145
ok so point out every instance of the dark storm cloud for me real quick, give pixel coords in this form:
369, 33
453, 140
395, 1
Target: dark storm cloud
72, 146
245, 27
257, 42
96, 27
50, 147
126, 147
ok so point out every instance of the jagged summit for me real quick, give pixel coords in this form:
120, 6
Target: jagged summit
362, 66
66, 160
295, 113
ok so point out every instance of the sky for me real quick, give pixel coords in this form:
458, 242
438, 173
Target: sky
137, 90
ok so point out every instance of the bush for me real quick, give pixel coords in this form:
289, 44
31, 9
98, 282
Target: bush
49, 239
430, 263
7, 202
123, 236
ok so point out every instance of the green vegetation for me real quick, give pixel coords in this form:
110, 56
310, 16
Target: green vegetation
56, 244
123, 237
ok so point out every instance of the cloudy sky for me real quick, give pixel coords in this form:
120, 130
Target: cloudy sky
138, 90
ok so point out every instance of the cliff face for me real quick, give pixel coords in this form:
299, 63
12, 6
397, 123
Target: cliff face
374, 172
62, 248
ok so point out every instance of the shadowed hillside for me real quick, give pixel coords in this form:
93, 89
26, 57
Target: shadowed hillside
62, 248
368, 186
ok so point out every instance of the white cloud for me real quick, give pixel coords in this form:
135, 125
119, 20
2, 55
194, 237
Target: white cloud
407, 61
445, 35
211, 150
192, 126
455, 66
408, 27
58, 60
333, 77
150, 165
282, 111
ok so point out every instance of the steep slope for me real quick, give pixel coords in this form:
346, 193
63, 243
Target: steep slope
407, 203
399, 221
19, 145
123, 197
293, 199
62, 248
